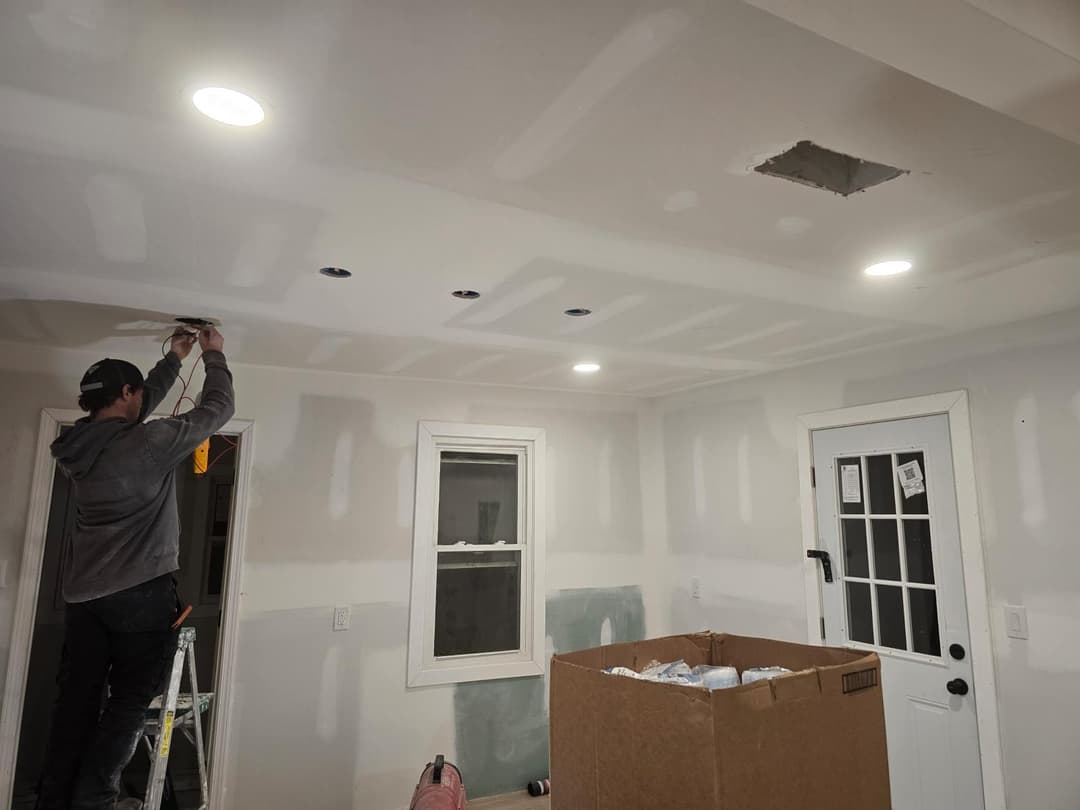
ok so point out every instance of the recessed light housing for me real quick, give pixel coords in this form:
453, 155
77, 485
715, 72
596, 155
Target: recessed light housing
468, 295
228, 106
891, 268
578, 312
335, 272
587, 368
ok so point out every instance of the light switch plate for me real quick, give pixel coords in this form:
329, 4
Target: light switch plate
695, 587
1016, 623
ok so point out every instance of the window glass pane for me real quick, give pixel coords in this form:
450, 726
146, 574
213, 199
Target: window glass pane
478, 498
860, 613
886, 550
477, 602
890, 603
849, 482
920, 558
856, 563
882, 495
925, 637
916, 504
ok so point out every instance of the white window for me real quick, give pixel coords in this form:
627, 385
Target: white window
478, 554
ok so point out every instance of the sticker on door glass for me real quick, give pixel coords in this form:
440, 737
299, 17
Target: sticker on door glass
911, 479
851, 483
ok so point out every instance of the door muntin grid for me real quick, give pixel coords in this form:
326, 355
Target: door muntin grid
887, 560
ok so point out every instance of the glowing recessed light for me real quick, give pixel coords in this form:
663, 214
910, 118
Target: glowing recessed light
228, 106
888, 268
587, 368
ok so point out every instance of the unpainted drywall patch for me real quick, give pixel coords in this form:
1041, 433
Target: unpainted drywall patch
1029, 463
340, 478
502, 726
697, 456
746, 501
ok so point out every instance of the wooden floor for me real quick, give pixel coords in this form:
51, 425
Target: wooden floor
511, 801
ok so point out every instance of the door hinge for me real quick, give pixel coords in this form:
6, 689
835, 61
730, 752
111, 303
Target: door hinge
822, 628
813, 477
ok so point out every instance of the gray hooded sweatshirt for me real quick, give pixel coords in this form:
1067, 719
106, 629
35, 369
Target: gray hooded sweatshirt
123, 478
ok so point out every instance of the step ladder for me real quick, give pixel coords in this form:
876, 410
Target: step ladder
174, 711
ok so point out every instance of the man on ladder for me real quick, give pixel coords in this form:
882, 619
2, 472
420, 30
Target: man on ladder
118, 585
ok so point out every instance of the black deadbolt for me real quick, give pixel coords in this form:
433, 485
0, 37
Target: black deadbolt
957, 686
957, 651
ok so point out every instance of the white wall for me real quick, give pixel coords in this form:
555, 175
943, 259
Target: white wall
642, 498
322, 719
733, 507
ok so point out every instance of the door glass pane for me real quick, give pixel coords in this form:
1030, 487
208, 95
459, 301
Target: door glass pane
478, 498
856, 563
890, 602
916, 504
920, 558
886, 550
477, 602
860, 613
879, 469
925, 637
850, 485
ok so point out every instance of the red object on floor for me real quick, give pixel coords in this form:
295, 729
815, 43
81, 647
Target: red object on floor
440, 787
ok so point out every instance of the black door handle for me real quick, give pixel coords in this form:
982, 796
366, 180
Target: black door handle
957, 686
826, 562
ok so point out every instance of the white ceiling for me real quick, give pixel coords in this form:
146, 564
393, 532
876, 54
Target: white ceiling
594, 153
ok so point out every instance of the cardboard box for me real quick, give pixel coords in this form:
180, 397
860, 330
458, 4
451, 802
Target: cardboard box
814, 740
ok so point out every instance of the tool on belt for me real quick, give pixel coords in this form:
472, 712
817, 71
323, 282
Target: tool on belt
440, 787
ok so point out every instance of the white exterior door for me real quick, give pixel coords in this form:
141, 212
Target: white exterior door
887, 516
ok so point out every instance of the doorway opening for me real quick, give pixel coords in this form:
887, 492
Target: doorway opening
210, 504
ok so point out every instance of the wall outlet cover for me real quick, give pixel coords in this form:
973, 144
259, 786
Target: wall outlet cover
342, 616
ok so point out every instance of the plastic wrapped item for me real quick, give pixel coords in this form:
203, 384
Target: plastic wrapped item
755, 674
716, 677
679, 672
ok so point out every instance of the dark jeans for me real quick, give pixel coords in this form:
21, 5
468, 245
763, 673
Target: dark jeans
124, 639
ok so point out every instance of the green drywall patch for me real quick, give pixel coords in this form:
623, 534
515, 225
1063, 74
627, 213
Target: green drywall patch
502, 726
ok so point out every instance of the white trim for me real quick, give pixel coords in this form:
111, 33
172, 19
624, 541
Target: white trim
955, 406
22, 631
423, 668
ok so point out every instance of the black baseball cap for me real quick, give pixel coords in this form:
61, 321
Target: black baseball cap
111, 375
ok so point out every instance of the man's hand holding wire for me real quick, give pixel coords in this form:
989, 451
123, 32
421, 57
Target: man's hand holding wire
181, 343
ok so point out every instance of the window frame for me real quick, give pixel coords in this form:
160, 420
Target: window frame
424, 669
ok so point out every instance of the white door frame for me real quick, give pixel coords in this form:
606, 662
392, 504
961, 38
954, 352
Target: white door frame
954, 405
22, 631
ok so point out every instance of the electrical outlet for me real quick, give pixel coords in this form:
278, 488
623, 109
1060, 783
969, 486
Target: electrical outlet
341, 618
695, 587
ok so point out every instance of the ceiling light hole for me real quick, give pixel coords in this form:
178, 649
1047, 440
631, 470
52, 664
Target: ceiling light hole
197, 323
578, 312
228, 106
813, 165
587, 368
468, 295
335, 272
890, 268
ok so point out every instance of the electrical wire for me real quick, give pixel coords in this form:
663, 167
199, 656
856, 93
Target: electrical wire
232, 446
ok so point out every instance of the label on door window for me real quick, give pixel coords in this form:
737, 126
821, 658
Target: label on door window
851, 483
911, 479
